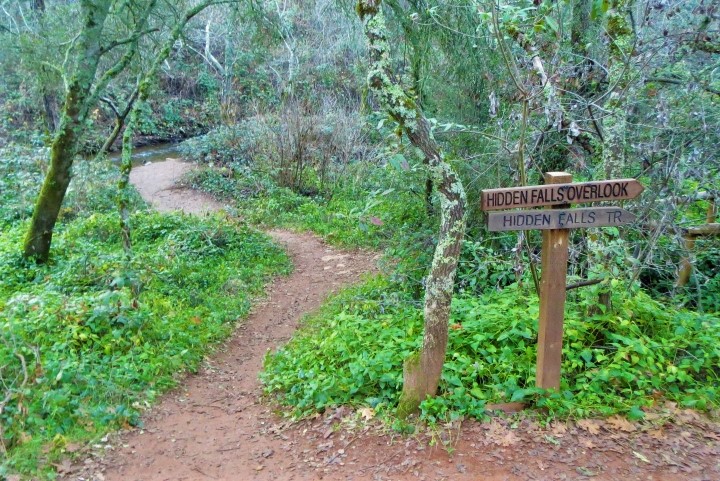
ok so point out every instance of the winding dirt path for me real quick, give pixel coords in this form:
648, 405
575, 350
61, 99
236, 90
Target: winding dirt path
216, 426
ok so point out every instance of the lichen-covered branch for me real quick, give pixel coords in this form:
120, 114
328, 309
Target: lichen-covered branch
423, 370
143, 90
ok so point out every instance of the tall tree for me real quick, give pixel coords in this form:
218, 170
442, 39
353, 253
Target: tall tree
98, 37
423, 370
65, 144
49, 101
141, 93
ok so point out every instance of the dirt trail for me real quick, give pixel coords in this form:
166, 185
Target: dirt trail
217, 427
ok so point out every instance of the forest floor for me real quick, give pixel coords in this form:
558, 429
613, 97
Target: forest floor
217, 426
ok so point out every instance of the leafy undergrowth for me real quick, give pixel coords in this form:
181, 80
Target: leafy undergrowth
81, 354
625, 361
358, 214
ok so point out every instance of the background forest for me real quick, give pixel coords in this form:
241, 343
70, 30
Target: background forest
271, 99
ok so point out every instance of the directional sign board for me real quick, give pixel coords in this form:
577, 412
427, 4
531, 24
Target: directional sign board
555, 222
558, 219
557, 194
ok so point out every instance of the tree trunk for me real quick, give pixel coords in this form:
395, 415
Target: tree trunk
51, 116
119, 123
138, 97
421, 373
124, 185
47, 208
49, 102
423, 370
64, 146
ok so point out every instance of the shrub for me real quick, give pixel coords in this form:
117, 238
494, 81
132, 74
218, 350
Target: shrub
88, 340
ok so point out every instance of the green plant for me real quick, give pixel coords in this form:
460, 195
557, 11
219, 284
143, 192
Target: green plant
87, 340
614, 362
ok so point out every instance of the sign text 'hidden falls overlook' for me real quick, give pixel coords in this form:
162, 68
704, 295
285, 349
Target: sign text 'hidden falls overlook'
549, 194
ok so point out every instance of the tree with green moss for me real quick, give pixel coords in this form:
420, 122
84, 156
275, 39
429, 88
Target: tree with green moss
107, 43
423, 370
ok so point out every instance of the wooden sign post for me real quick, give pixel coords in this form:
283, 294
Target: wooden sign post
555, 221
554, 258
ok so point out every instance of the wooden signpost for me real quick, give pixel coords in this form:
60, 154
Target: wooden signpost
555, 221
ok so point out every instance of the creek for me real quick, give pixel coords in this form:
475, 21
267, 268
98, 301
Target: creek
150, 153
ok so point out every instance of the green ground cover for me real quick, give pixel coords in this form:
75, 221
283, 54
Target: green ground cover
625, 361
89, 340
647, 349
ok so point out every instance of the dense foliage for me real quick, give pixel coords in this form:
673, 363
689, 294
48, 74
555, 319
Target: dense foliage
615, 362
273, 99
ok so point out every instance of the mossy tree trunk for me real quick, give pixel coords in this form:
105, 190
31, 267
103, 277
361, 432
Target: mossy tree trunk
134, 104
423, 370
65, 143
82, 94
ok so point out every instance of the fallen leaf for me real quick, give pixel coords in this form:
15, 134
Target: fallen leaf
657, 433
509, 439
367, 413
592, 426
64, 467
588, 444
641, 457
687, 415
259, 467
559, 429
621, 424
652, 416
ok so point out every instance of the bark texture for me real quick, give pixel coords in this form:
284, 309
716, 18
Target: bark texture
423, 370
65, 143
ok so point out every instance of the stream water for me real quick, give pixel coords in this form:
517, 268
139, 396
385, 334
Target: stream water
150, 153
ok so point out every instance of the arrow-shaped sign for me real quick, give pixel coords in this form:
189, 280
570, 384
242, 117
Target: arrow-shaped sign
557, 194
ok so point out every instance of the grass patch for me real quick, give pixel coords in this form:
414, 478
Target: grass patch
357, 214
